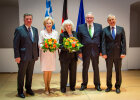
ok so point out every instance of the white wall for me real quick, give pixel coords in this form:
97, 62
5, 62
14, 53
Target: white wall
100, 9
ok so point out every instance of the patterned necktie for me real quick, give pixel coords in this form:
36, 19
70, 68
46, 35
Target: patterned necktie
90, 33
113, 33
30, 33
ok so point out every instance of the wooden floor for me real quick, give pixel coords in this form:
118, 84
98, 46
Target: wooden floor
130, 89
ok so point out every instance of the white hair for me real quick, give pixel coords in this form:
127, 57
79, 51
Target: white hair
89, 13
68, 21
111, 15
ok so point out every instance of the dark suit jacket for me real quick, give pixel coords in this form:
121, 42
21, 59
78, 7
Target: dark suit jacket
91, 45
23, 45
64, 54
113, 48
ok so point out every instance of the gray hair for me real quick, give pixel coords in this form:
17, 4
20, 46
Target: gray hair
68, 21
46, 19
27, 14
89, 13
111, 15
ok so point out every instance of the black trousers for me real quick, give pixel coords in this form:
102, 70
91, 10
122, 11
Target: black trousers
109, 64
70, 65
25, 68
86, 62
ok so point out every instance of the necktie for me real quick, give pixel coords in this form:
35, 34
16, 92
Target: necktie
30, 33
90, 33
113, 33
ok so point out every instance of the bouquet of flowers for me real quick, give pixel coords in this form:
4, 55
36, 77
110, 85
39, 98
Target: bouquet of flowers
50, 44
72, 44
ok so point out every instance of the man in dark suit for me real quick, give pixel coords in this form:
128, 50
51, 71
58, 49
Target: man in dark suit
89, 36
26, 52
113, 50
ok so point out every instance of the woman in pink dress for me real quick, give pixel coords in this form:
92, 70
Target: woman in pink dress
47, 59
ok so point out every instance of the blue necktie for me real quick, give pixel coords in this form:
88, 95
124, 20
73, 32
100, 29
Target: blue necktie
30, 33
113, 33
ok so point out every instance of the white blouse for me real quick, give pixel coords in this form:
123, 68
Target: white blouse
45, 35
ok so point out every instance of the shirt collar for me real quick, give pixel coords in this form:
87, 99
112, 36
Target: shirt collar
27, 27
90, 24
113, 26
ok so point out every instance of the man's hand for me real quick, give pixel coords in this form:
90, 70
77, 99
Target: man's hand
80, 55
122, 56
100, 54
17, 60
104, 56
36, 59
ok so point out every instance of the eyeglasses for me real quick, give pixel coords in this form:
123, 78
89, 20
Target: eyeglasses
89, 18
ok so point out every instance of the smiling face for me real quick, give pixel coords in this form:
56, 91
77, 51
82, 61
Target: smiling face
48, 24
111, 21
28, 20
89, 18
68, 27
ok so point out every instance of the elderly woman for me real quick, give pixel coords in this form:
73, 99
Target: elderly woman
47, 59
68, 61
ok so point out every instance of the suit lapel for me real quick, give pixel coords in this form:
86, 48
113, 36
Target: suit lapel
117, 31
109, 32
86, 29
26, 31
95, 29
33, 34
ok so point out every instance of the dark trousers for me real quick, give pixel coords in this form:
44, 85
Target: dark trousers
109, 64
70, 65
25, 68
86, 62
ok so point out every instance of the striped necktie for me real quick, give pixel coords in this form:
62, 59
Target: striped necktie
30, 33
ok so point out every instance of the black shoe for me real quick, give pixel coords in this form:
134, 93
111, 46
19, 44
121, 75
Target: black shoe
98, 88
118, 90
30, 92
21, 95
72, 89
83, 87
108, 89
63, 90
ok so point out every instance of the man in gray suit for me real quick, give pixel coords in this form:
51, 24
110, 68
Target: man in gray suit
113, 50
89, 35
26, 52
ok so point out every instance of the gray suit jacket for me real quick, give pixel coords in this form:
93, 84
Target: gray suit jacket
23, 45
91, 45
111, 47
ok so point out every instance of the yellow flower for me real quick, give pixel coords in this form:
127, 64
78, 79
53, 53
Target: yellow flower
71, 41
50, 42
45, 41
77, 44
66, 43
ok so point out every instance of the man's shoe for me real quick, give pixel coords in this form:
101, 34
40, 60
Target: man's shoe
63, 90
98, 88
108, 89
21, 95
30, 92
83, 87
72, 89
118, 90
